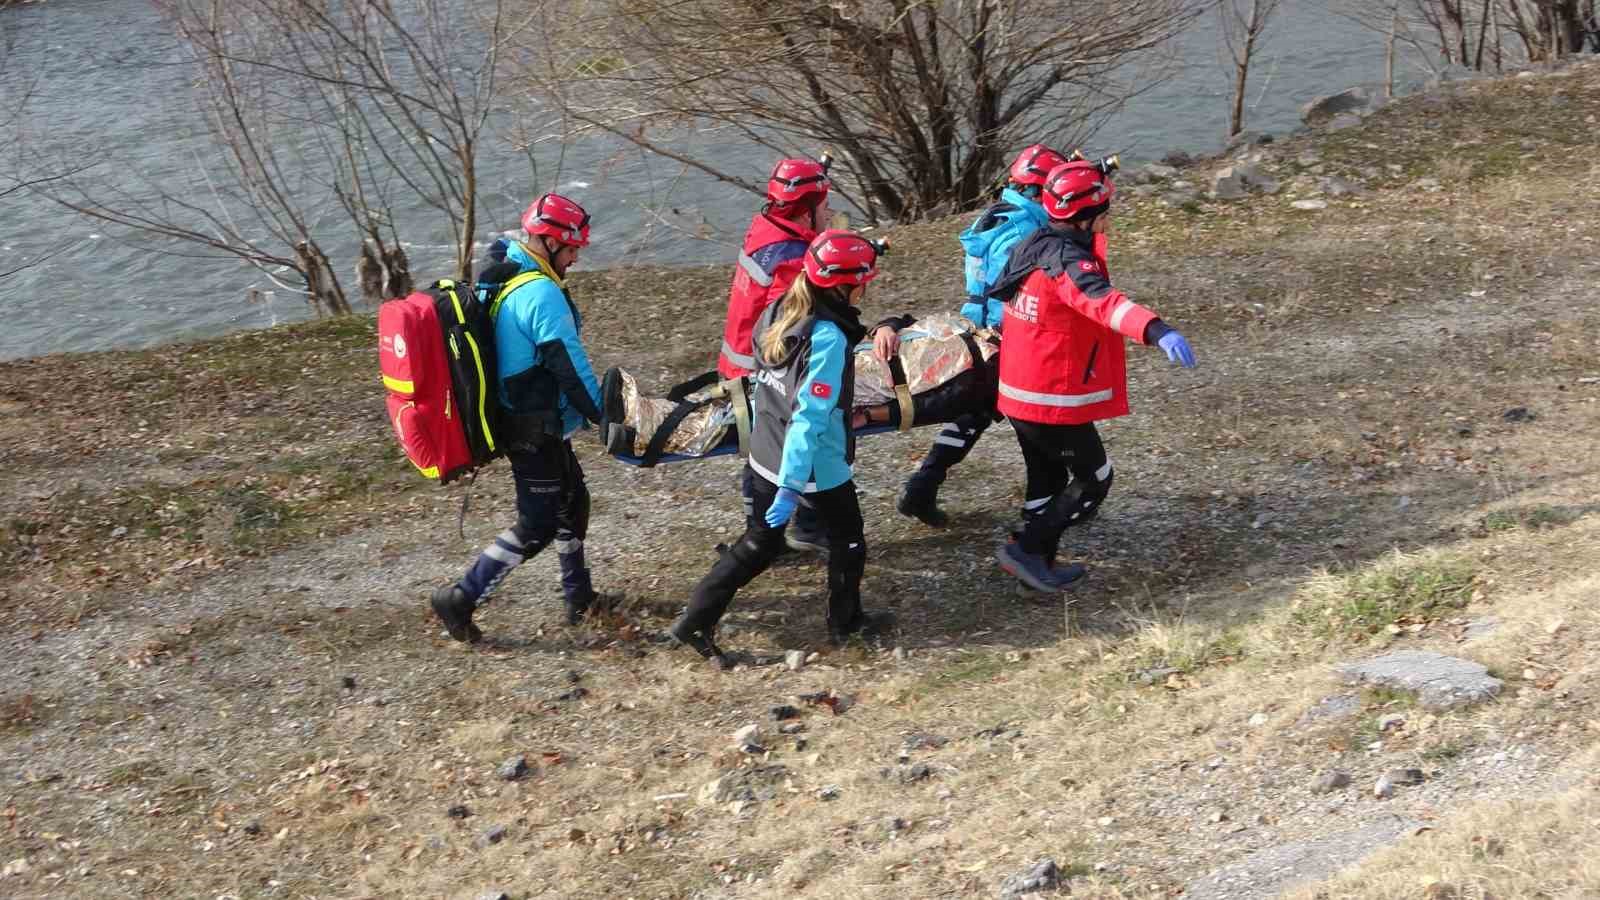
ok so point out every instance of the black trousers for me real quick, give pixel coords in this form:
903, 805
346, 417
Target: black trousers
552, 507
1068, 478
950, 447
839, 513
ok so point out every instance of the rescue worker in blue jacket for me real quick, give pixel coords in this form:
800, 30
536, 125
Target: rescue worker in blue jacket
987, 243
801, 444
549, 391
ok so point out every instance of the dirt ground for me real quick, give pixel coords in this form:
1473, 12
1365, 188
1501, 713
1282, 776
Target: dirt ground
220, 678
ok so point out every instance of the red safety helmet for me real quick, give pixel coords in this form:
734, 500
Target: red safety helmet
795, 178
838, 257
1034, 164
1075, 187
557, 217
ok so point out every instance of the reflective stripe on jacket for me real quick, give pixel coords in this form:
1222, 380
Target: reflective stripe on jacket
1063, 360
770, 259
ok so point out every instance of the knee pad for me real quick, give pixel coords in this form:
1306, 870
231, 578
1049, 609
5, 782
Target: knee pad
531, 536
757, 547
1091, 493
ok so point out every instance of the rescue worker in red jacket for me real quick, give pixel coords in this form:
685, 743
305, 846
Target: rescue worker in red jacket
769, 261
1063, 367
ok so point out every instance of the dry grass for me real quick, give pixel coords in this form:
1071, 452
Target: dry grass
1276, 512
1533, 847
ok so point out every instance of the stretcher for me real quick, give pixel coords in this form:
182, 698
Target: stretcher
945, 368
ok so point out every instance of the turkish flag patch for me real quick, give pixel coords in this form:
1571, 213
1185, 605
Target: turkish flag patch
1088, 265
822, 389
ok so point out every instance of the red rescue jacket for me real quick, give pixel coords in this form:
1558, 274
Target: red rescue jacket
1062, 360
770, 260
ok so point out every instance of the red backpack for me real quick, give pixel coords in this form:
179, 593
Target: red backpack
436, 353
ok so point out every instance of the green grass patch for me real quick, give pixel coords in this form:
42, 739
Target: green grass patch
1359, 604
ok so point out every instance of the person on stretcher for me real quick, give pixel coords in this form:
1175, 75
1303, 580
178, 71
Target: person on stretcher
912, 373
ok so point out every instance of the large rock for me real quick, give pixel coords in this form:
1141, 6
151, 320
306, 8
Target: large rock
1439, 681
1239, 179
1324, 109
1155, 172
1042, 876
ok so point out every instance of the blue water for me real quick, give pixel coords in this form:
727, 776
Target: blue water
109, 80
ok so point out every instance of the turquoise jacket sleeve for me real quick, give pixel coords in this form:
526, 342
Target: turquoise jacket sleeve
816, 407
553, 333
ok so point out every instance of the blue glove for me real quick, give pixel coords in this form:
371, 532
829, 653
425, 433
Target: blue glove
782, 508
1177, 349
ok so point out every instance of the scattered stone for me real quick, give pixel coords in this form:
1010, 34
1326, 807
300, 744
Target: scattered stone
252, 827
1217, 817
1039, 877
1310, 204
1429, 185
913, 774
1391, 722
1439, 681
1330, 781
577, 693
459, 811
1334, 186
1246, 140
1307, 159
514, 768
747, 785
1181, 198
1229, 184
780, 713
795, 660
494, 835
925, 741
1518, 414
828, 792
1324, 109
791, 728
1156, 675
1178, 158
119, 531
800, 745
348, 682
896, 824
749, 734
1405, 776
1215, 763
573, 677
901, 654
1156, 172
1480, 628
494, 895
1258, 720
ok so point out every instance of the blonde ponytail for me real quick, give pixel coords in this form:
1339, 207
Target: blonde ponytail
797, 303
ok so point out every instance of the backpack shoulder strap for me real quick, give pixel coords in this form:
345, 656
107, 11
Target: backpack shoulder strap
509, 286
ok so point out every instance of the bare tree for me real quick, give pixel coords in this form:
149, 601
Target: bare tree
923, 99
322, 112
1469, 33
1243, 24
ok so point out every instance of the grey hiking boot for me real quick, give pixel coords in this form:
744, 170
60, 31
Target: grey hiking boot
455, 609
1034, 572
803, 542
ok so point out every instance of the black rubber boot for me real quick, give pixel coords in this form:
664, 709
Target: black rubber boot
686, 635
454, 609
871, 627
920, 501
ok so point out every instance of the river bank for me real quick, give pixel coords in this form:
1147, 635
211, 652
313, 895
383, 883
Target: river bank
220, 677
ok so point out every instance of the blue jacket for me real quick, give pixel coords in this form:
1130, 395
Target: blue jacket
988, 243
541, 359
801, 438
